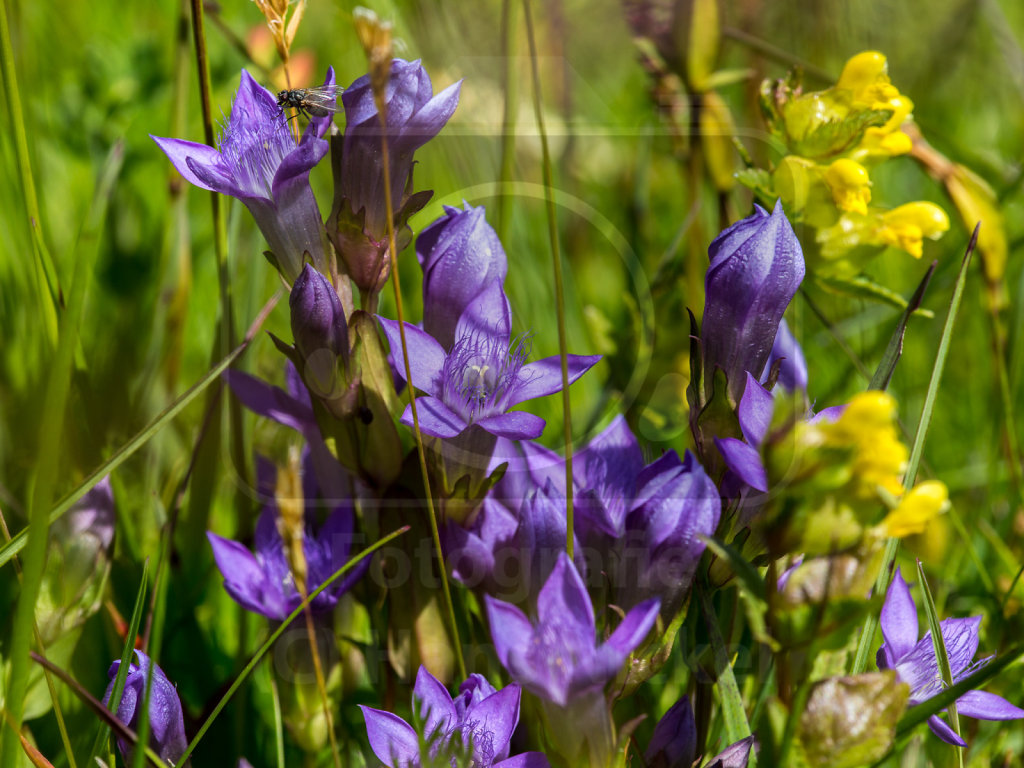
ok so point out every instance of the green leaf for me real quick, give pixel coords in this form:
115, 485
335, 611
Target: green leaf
850, 721
836, 136
733, 712
863, 287
939, 643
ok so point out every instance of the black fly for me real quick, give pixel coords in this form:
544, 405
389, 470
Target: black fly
311, 102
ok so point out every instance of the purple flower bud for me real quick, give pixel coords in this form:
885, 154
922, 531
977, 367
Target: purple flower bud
358, 220
166, 723
793, 368
674, 741
258, 161
756, 268
320, 330
460, 255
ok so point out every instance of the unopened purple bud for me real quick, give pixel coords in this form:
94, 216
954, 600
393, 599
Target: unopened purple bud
319, 328
166, 723
674, 742
756, 267
460, 255
358, 224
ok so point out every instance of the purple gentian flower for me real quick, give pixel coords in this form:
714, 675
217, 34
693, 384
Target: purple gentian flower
262, 581
557, 656
756, 268
674, 742
258, 161
358, 220
166, 723
483, 375
482, 718
461, 255
915, 663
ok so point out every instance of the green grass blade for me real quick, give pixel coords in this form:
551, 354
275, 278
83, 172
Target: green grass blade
892, 353
17, 543
939, 643
733, 712
870, 627
43, 483
122, 671
556, 262
277, 633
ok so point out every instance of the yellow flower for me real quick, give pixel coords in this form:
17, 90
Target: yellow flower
919, 507
879, 457
906, 226
866, 77
850, 185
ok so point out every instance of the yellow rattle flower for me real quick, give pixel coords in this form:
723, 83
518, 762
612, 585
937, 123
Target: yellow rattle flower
850, 185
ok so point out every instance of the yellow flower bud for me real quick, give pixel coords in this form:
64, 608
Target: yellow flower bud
906, 226
919, 507
850, 185
866, 77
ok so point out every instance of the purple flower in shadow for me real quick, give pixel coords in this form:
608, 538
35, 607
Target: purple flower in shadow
479, 720
258, 162
166, 723
483, 375
557, 656
261, 581
674, 742
915, 663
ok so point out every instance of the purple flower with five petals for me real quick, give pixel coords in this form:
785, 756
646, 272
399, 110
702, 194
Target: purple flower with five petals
482, 718
262, 581
258, 161
557, 656
166, 722
483, 375
915, 663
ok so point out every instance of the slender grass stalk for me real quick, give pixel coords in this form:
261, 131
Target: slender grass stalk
275, 699
941, 657
870, 626
44, 260
126, 655
556, 263
220, 239
508, 115
277, 633
19, 542
736, 724
420, 449
42, 484
1009, 426
50, 687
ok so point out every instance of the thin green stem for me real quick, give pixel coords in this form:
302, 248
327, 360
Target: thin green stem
867, 634
556, 262
420, 449
1012, 444
44, 260
508, 117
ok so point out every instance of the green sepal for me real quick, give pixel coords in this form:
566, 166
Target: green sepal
833, 137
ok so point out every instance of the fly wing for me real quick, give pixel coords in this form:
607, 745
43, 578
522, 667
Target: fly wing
325, 97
